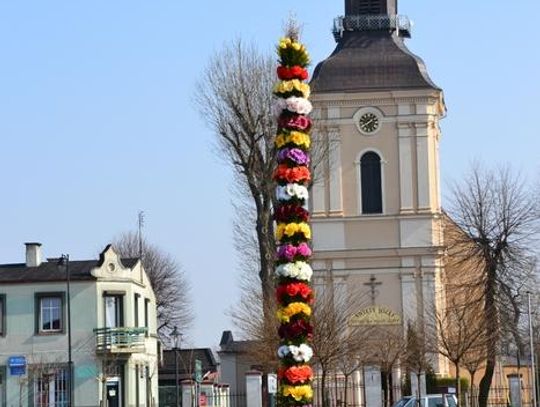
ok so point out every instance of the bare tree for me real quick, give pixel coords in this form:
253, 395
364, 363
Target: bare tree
497, 213
459, 331
255, 319
472, 361
388, 347
333, 335
234, 99
418, 348
170, 284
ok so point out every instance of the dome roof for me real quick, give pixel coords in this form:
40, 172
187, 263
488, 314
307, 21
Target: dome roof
370, 60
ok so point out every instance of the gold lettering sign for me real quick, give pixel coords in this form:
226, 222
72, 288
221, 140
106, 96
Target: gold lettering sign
375, 315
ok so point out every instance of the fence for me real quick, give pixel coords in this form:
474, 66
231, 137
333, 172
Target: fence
167, 398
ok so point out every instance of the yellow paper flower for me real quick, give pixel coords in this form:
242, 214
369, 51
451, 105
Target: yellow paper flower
298, 392
294, 308
291, 229
305, 230
293, 85
295, 137
280, 230
284, 42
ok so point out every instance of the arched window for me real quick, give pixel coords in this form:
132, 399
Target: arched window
371, 183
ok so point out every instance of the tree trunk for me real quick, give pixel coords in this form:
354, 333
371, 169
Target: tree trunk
458, 384
345, 390
336, 390
388, 390
265, 235
323, 389
485, 383
491, 315
473, 404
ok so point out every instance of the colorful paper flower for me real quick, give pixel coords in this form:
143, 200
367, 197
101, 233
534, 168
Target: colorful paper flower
293, 72
291, 229
291, 191
295, 122
291, 212
294, 87
289, 252
294, 330
296, 374
292, 104
299, 270
284, 173
293, 293
293, 155
297, 138
304, 392
302, 353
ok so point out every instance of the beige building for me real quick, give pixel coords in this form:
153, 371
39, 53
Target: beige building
376, 207
111, 338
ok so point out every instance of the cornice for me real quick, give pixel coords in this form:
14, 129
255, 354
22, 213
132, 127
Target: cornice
388, 101
382, 253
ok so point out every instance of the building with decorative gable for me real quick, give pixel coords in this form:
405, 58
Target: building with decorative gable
77, 332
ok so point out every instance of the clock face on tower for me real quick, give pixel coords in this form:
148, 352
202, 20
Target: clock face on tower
368, 123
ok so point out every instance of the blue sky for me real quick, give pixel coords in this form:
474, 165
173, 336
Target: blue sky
97, 120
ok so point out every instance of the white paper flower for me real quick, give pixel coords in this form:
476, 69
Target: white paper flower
289, 191
302, 353
293, 104
299, 270
299, 105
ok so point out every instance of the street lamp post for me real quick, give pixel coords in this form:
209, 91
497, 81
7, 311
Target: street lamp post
64, 260
531, 343
176, 336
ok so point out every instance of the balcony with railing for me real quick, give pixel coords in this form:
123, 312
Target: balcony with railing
120, 340
394, 23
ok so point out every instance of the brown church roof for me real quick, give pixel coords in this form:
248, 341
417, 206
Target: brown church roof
370, 60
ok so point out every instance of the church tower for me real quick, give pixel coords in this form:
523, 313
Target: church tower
376, 200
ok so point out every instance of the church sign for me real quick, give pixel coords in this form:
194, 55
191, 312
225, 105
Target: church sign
375, 315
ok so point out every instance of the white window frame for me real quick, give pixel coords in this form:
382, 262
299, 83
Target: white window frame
50, 309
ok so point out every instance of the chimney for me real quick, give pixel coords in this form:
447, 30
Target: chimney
33, 254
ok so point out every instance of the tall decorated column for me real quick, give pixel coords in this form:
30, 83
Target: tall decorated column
293, 233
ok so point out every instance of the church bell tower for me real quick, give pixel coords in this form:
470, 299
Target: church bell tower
376, 198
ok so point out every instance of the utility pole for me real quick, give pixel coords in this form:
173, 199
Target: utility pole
64, 260
531, 344
140, 224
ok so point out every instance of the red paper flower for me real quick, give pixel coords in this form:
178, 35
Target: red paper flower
295, 122
289, 212
294, 72
296, 174
296, 329
294, 289
296, 374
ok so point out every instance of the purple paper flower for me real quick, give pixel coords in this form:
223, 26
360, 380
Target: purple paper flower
287, 252
296, 155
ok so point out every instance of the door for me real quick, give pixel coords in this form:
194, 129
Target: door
113, 392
